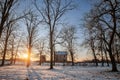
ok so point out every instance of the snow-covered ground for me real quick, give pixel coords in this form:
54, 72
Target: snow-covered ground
36, 72
15, 72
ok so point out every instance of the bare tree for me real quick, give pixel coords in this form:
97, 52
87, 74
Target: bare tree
90, 36
7, 33
8, 17
52, 12
13, 45
105, 16
17, 47
113, 5
90, 43
92, 46
31, 23
40, 47
68, 35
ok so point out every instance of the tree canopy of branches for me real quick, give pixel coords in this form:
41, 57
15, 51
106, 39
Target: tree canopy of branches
7, 33
5, 9
40, 46
8, 19
31, 23
103, 22
52, 12
68, 36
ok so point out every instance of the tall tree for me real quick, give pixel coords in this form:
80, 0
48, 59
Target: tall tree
68, 35
7, 33
40, 47
12, 43
90, 36
19, 40
90, 43
31, 23
105, 16
52, 12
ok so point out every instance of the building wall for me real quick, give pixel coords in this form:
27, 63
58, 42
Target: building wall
43, 58
60, 57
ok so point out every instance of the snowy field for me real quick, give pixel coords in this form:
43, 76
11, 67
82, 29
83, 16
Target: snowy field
36, 72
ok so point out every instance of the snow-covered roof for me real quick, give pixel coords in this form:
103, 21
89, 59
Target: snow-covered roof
61, 52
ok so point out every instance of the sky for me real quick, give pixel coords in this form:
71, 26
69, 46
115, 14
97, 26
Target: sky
73, 17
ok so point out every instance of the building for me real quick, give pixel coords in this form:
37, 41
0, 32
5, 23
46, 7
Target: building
61, 56
42, 58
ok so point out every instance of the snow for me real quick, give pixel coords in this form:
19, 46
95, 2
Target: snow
15, 72
61, 52
36, 72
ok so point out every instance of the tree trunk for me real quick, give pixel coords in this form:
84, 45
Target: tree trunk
11, 62
106, 58
93, 51
4, 53
1, 30
72, 57
12, 52
54, 55
15, 58
51, 50
102, 59
40, 59
3, 19
117, 55
29, 53
114, 65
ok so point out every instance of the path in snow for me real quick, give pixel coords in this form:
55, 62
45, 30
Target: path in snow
32, 74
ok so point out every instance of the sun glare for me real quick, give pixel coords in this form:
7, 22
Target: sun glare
25, 56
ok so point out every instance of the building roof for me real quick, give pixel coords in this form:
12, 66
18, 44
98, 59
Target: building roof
61, 52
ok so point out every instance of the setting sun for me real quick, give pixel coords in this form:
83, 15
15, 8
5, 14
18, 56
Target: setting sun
25, 56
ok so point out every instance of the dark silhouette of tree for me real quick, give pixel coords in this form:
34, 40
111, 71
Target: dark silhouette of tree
7, 33
5, 9
105, 16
